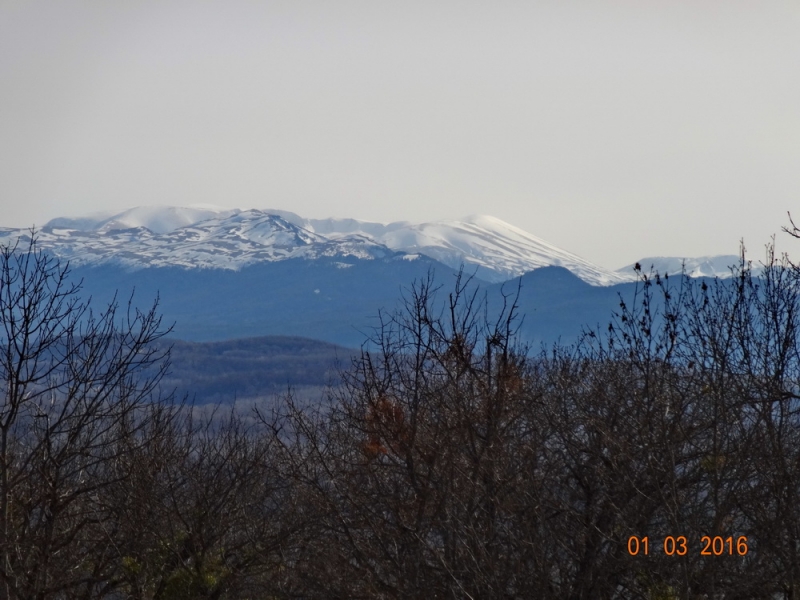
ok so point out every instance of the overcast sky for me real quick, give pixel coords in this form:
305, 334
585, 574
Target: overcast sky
615, 130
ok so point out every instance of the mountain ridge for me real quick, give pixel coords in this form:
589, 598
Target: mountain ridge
205, 236
211, 237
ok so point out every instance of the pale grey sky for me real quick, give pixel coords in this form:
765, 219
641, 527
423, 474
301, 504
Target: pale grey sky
613, 129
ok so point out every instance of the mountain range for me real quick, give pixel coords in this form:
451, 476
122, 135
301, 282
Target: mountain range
210, 237
223, 274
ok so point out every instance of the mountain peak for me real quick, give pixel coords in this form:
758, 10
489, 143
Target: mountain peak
487, 222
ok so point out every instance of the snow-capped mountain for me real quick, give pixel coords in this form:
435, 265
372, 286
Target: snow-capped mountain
232, 240
223, 274
704, 266
499, 251
212, 237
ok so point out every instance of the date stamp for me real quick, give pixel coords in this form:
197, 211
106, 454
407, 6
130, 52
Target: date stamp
679, 545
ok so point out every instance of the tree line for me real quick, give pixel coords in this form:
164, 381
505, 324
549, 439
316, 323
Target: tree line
658, 458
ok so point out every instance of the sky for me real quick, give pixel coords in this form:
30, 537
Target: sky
615, 130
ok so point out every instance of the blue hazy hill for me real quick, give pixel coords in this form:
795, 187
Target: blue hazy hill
330, 300
338, 301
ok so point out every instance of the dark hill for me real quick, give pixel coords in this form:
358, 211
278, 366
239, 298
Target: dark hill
254, 368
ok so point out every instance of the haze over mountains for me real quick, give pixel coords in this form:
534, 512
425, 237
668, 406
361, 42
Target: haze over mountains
212, 237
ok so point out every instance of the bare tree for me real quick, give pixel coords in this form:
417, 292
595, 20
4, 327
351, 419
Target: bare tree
77, 392
203, 514
421, 469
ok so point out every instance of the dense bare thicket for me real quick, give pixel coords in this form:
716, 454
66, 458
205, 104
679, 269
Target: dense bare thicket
423, 469
108, 489
76, 394
203, 514
453, 462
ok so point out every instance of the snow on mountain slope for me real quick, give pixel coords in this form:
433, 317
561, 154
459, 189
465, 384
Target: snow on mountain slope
228, 241
499, 251
164, 220
703, 266
207, 236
